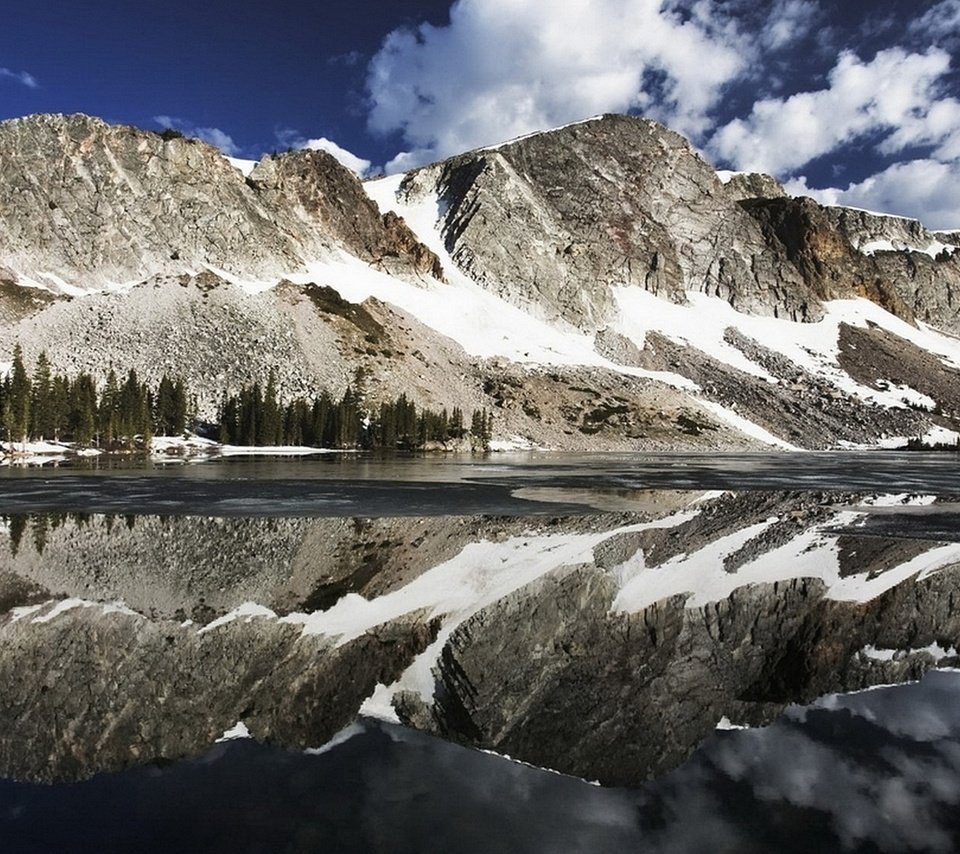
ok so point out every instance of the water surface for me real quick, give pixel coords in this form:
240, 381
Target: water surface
598, 616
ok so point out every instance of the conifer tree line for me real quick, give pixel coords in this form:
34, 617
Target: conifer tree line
123, 414
127, 413
256, 417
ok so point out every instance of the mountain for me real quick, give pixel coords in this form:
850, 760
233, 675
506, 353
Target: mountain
596, 286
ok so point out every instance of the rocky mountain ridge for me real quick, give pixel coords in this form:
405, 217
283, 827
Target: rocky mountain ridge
571, 281
89, 204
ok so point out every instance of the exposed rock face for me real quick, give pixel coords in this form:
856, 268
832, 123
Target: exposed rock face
923, 266
830, 266
329, 199
864, 227
754, 185
930, 287
553, 220
92, 203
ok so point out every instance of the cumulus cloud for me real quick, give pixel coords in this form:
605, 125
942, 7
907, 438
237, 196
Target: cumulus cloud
892, 95
214, 136
502, 68
927, 190
24, 77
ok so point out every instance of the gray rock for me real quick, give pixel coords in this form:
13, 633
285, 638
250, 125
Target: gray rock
93, 203
555, 219
754, 185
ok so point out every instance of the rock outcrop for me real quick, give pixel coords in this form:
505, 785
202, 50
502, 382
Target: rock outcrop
801, 230
754, 185
551, 221
88, 203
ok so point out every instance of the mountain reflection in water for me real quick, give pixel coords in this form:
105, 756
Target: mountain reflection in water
606, 643
873, 771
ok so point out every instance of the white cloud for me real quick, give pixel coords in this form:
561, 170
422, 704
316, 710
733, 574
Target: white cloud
355, 164
939, 22
789, 20
927, 190
503, 68
894, 95
214, 136
24, 77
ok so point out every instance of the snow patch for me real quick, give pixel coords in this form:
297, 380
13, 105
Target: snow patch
933, 249
725, 724
341, 737
247, 612
379, 705
744, 425
727, 175
934, 650
23, 611
244, 166
702, 578
935, 436
273, 450
238, 730
538, 133
514, 443
64, 605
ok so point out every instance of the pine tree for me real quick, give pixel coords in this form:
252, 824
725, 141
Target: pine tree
269, 424
82, 419
179, 414
108, 410
229, 414
456, 429
18, 524
163, 407
42, 416
16, 414
60, 405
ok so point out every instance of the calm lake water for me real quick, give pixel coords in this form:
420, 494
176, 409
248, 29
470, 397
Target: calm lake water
746, 652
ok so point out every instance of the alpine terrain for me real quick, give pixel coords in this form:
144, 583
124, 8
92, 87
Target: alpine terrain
598, 286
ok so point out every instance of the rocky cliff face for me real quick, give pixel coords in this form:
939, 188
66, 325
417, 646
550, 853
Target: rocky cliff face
90, 203
553, 220
803, 232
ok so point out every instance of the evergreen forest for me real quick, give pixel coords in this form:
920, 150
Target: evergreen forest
125, 414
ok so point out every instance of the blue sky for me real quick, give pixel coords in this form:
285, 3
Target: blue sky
852, 102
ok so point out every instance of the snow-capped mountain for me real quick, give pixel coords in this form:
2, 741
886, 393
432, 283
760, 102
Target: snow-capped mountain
596, 286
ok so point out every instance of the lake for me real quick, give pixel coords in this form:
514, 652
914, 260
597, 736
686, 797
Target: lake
709, 652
